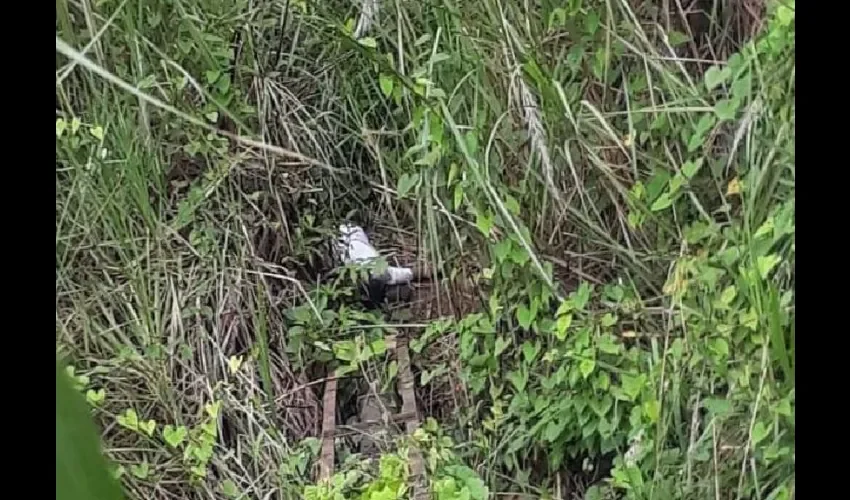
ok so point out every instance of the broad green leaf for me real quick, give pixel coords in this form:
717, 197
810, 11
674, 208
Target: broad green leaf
582, 296
633, 385
720, 346
529, 351
148, 427
501, 345
726, 109
563, 325
502, 249
484, 223
765, 229
95, 397
129, 419
719, 407
378, 346
690, 168
386, 83
728, 295
174, 436
715, 76
760, 431
525, 316
344, 350
212, 76
61, 126
368, 42
141, 471
97, 132
662, 202
518, 378
405, 183
652, 409
586, 367
608, 320
677, 38
766, 263
81, 471
213, 409
229, 488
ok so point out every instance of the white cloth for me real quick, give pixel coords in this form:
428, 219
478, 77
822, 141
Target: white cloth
355, 248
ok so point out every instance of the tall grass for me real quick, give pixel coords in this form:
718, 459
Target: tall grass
206, 151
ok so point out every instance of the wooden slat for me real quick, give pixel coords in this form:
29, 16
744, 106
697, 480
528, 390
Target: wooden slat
326, 461
408, 408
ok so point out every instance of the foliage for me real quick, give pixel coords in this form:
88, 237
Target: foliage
606, 189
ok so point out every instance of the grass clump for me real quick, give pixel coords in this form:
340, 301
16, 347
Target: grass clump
601, 191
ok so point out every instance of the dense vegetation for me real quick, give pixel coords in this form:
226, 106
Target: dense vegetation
604, 191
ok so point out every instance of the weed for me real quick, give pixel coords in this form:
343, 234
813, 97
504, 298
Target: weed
602, 191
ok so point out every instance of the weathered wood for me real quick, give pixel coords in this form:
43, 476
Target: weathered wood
326, 461
408, 408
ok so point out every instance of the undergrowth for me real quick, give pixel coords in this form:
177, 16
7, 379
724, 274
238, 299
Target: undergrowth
603, 192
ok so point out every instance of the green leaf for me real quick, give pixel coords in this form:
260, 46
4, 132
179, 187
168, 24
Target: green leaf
386, 83
95, 397
720, 346
785, 14
148, 427
564, 322
760, 431
213, 409
726, 109
607, 345
129, 419
633, 385
720, 407
81, 471
766, 263
502, 249
582, 296
97, 132
586, 367
405, 183
690, 168
765, 229
344, 350
174, 436
728, 295
501, 345
519, 379
212, 76
378, 346
368, 42
652, 409
677, 38
525, 316
229, 488
529, 351
662, 202
61, 126
471, 140
715, 76
141, 471
552, 431
484, 222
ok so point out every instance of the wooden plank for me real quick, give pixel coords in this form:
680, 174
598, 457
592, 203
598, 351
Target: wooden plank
326, 461
408, 408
